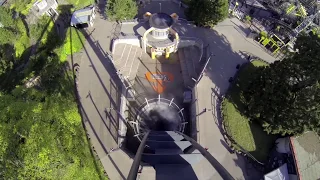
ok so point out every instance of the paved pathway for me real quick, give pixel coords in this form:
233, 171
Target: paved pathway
99, 93
229, 47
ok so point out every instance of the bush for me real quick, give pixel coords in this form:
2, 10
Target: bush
247, 135
248, 18
208, 12
263, 34
121, 9
22, 6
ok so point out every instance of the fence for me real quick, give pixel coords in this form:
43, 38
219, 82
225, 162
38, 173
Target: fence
130, 21
190, 41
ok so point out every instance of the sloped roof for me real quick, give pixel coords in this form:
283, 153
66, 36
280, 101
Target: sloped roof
82, 16
306, 150
278, 174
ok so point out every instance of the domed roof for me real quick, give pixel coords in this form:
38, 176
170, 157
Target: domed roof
160, 20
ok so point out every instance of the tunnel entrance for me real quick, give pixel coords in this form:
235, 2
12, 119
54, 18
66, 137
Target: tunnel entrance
159, 114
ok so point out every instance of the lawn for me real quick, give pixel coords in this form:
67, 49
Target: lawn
249, 135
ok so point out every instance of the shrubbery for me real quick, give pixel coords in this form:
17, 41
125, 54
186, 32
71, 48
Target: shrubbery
121, 9
208, 12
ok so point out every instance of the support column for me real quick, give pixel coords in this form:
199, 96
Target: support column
153, 53
167, 53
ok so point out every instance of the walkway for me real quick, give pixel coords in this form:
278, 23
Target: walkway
229, 48
99, 91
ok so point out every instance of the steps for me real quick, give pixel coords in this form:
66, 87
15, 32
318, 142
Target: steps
184, 69
172, 156
174, 172
189, 58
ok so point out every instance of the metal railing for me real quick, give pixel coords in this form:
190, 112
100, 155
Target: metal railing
137, 159
213, 161
215, 164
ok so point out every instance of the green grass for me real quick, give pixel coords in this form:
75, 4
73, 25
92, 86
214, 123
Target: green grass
79, 4
71, 45
249, 135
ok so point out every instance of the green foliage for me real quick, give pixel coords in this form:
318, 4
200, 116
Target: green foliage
248, 18
121, 9
37, 30
263, 34
22, 6
23, 41
285, 97
42, 138
6, 58
247, 135
208, 12
14, 32
41, 131
72, 44
79, 4
9, 30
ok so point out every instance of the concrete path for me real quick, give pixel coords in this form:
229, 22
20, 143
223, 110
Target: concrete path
99, 91
229, 46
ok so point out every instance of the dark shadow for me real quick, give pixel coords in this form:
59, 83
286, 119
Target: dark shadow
168, 7
114, 134
102, 6
104, 60
107, 63
23, 18
85, 119
144, 25
40, 59
225, 145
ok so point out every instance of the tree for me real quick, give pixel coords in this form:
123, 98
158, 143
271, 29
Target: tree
121, 9
285, 97
9, 28
208, 12
6, 58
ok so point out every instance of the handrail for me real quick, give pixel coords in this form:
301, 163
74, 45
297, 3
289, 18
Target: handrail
136, 162
220, 169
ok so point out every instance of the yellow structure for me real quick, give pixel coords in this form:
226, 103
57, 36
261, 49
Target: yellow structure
273, 41
160, 38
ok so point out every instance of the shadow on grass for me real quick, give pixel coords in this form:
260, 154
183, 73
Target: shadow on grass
41, 60
263, 142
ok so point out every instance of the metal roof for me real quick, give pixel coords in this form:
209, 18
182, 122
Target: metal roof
161, 20
306, 150
82, 16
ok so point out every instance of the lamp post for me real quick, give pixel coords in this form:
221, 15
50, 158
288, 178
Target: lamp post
237, 4
160, 6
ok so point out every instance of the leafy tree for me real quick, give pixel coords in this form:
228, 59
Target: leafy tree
42, 137
285, 96
6, 58
121, 9
8, 30
208, 12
